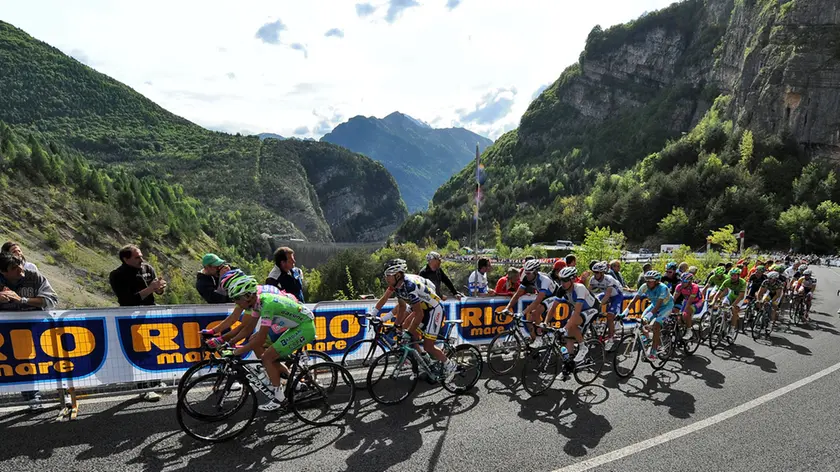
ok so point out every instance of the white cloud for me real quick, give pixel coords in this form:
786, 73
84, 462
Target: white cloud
336, 32
433, 61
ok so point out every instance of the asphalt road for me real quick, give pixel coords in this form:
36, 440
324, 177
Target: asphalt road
681, 418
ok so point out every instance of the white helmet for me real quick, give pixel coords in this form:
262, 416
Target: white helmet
773, 275
567, 273
432, 256
532, 265
600, 267
395, 266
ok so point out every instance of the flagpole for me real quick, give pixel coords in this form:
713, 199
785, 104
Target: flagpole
477, 195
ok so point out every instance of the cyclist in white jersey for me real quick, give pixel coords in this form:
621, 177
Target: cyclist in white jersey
547, 297
612, 296
586, 307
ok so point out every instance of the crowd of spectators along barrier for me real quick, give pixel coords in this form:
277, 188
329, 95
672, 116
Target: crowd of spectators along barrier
95, 349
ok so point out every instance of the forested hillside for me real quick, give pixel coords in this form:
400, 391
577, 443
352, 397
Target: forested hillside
706, 113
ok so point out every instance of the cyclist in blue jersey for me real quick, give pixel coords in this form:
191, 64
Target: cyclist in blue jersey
547, 291
661, 305
585, 308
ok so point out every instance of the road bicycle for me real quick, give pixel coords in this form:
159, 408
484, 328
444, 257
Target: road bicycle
211, 362
631, 347
318, 395
393, 376
721, 327
545, 363
761, 323
370, 349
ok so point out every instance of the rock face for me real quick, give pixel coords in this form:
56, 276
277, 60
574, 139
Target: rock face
420, 157
780, 61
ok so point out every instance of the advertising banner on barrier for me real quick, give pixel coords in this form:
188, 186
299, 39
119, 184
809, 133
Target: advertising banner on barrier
85, 348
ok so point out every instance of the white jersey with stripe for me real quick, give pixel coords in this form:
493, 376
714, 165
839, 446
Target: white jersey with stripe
416, 289
598, 286
541, 284
579, 293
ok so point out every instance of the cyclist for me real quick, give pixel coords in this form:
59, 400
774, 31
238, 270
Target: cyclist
714, 281
548, 292
732, 290
689, 295
286, 324
426, 315
754, 283
585, 308
805, 286
772, 289
661, 305
611, 295
671, 277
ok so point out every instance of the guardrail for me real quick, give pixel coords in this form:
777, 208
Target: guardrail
97, 347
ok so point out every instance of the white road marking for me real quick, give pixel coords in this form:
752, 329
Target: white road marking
694, 427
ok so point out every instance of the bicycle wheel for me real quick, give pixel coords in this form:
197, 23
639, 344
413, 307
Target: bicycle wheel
504, 352
758, 325
392, 377
716, 331
210, 413
541, 368
768, 322
196, 370
704, 326
468, 367
322, 394
593, 363
733, 332
627, 355
364, 351
690, 346
666, 349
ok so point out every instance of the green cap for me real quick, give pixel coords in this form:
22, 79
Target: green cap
212, 260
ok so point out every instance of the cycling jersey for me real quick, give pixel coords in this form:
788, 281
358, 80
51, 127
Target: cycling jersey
773, 285
807, 282
606, 281
542, 283
659, 292
477, 283
734, 287
684, 292
291, 324
671, 281
416, 289
579, 293
263, 289
755, 283
715, 280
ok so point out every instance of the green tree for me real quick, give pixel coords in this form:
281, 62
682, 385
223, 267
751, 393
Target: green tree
746, 149
520, 235
799, 223
675, 226
725, 239
601, 244
829, 213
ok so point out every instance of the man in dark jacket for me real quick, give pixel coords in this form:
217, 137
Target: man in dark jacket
285, 275
435, 273
135, 283
207, 279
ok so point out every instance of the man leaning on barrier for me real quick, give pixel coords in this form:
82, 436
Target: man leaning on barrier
135, 283
24, 290
207, 279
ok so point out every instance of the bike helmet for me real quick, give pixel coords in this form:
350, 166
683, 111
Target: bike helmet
671, 266
653, 275
531, 266
772, 275
779, 268
559, 265
567, 273
241, 286
693, 270
807, 273
600, 267
720, 271
432, 256
760, 268
803, 268
228, 277
395, 266
735, 271
687, 277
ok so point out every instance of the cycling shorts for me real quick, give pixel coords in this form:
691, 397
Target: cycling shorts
432, 321
660, 316
698, 305
292, 339
615, 302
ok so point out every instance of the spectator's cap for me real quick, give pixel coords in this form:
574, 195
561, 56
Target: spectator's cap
212, 260
559, 264
513, 271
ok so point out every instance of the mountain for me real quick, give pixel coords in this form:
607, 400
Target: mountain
264, 136
270, 188
419, 157
705, 113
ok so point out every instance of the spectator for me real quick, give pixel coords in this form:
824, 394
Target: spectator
14, 248
509, 284
683, 267
22, 289
435, 273
207, 279
477, 282
571, 260
641, 280
285, 275
135, 283
615, 272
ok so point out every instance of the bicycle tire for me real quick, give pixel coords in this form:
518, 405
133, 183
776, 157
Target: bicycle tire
182, 382
375, 350
626, 349
535, 361
666, 341
716, 331
468, 360
597, 356
734, 334
181, 412
299, 400
690, 347
758, 325
224, 381
705, 326
500, 345
394, 359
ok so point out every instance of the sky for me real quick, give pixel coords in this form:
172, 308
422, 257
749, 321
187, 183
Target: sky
299, 68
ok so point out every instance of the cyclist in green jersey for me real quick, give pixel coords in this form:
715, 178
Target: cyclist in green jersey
287, 324
734, 289
714, 281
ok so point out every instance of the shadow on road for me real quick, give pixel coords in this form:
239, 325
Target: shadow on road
657, 388
743, 354
697, 366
